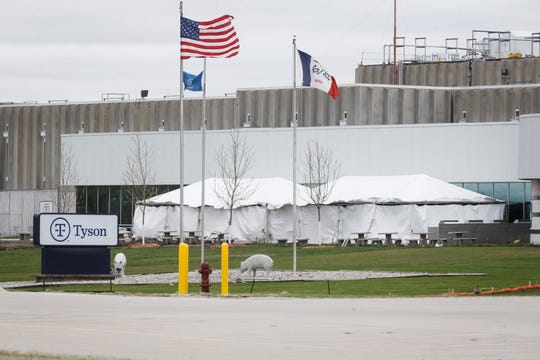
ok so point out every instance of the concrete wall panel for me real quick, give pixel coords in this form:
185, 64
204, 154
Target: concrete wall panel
378, 106
365, 105
18, 207
441, 105
484, 72
409, 100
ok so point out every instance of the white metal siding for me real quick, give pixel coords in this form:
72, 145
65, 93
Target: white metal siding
529, 147
465, 152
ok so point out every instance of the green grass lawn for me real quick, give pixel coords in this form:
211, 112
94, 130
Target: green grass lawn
504, 266
17, 355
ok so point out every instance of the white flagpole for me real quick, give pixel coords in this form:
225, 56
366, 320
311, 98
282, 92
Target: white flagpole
294, 154
203, 176
181, 163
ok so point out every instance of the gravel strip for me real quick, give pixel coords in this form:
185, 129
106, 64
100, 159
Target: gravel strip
276, 275
234, 275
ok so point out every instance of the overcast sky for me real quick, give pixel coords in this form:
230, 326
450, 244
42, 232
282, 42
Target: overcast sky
77, 50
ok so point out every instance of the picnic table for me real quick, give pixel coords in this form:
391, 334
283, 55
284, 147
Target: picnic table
167, 235
361, 237
388, 237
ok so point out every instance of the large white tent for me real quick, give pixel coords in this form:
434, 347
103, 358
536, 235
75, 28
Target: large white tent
274, 192
252, 215
404, 189
404, 205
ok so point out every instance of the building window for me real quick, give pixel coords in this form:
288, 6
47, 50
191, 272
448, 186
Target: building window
114, 200
162, 189
528, 207
103, 202
485, 189
81, 200
126, 209
471, 186
517, 196
500, 191
516, 208
91, 200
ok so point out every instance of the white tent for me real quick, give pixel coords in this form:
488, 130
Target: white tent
274, 192
250, 215
406, 205
403, 205
403, 189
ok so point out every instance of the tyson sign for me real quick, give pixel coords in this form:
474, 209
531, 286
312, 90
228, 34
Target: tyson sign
78, 230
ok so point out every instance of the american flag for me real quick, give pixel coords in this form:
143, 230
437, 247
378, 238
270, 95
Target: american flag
215, 38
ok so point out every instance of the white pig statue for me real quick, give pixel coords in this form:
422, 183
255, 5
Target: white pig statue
255, 262
120, 262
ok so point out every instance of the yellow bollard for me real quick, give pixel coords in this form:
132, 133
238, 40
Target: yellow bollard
183, 268
225, 269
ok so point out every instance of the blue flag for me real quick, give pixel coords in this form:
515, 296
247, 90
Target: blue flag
192, 82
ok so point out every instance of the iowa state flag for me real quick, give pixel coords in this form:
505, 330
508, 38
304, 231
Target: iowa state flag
315, 75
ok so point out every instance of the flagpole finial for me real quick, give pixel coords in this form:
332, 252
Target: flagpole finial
294, 39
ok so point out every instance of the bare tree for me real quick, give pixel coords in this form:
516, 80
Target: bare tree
319, 172
234, 161
139, 176
66, 180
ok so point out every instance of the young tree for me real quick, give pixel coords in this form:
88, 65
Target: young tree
319, 171
66, 179
234, 161
139, 176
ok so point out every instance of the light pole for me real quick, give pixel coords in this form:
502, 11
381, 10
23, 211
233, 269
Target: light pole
395, 68
43, 135
5, 135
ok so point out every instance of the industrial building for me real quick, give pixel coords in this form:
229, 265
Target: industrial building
460, 121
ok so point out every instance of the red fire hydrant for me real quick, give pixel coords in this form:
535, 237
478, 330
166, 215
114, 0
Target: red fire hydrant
205, 272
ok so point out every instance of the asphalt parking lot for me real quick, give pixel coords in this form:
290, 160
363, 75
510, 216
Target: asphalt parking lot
197, 327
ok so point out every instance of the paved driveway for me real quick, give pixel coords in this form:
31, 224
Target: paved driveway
193, 327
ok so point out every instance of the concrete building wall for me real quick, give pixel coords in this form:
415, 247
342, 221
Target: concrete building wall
18, 207
483, 104
436, 74
27, 160
529, 147
465, 152
529, 167
535, 212
455, 73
